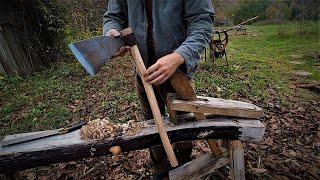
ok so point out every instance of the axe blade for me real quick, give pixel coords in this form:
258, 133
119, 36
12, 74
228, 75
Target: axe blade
93, 53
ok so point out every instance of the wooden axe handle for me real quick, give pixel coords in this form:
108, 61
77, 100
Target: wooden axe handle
154, 107
153, 103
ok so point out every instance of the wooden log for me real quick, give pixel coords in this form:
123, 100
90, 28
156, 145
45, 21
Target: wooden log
217, 106
199, 167
237, 171
70, 146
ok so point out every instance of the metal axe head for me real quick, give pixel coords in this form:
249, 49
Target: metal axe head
95, 52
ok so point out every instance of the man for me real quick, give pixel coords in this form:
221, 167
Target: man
171, 35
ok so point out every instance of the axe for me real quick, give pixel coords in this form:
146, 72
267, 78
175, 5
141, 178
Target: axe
95, 52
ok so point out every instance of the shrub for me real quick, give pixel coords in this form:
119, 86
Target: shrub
249, 9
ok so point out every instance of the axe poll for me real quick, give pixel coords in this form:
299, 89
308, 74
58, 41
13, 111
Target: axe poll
95, 52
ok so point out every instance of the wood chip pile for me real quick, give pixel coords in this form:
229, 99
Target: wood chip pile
102, 128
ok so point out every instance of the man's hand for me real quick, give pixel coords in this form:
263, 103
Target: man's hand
123, 50
163, 69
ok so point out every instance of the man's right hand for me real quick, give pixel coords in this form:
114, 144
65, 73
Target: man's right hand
123, 50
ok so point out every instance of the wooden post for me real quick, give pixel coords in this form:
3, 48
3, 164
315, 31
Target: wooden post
172, 113
237, 160
153, 102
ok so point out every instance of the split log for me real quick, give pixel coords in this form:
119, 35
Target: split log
217, 106
70, 146
199, 167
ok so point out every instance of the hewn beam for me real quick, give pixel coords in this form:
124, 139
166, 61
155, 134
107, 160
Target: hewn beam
199, 167
217, 106
68, 147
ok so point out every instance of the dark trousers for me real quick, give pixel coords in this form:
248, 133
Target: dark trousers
158, 155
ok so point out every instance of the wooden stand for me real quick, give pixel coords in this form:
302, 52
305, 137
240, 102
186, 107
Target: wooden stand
184, 89
213, 107
237, 160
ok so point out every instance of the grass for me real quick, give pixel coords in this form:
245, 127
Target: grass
259, 70
39, 101
260, 62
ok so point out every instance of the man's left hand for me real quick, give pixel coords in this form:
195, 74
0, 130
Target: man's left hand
162, 70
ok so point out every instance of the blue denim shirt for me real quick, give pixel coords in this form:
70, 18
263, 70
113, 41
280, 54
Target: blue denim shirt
182, 26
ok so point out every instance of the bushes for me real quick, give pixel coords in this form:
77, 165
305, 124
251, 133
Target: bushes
83, 18
305, 9
248, 9
274, 10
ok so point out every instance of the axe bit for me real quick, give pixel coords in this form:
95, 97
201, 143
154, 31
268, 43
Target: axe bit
95, 52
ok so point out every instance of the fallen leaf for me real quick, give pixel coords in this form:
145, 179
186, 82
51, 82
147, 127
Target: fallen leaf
301, 109
219, 89
292, 153
274, 126
263, 147
268, 141
259, 170
255, 146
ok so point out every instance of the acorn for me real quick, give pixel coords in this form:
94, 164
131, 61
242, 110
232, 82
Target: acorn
115, 150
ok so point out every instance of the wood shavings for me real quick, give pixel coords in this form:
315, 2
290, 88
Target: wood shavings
132, 127
127, 165
100, 129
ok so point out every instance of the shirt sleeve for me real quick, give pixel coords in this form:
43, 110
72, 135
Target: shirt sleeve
199, 15
116, 16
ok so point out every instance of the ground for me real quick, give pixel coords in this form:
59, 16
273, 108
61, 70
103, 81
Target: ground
262, 70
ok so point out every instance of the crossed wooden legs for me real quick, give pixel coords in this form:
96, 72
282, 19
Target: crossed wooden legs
183, 87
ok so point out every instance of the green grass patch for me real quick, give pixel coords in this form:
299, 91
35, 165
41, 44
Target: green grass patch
259, 62
40, 101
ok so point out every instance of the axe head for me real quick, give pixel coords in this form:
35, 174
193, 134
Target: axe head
95, 52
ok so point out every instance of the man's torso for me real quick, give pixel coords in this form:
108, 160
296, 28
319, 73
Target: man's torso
168, 31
